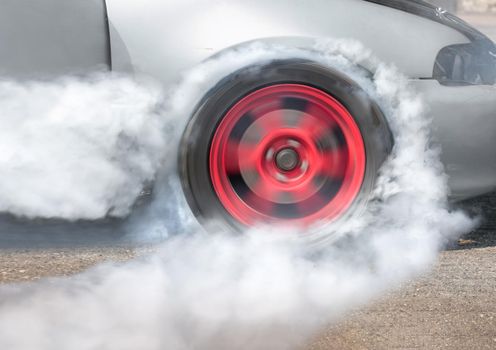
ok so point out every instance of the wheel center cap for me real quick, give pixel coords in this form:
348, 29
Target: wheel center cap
287, 159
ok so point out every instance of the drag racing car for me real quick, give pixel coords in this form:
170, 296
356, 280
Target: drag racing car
293, 141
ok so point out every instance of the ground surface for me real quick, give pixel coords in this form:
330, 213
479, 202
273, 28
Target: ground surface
33, 264
452, 308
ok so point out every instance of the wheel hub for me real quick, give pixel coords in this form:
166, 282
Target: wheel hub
287, 159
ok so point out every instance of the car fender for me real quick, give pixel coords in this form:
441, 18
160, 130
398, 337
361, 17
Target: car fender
163, 38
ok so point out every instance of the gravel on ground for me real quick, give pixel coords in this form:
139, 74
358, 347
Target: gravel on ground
452, 308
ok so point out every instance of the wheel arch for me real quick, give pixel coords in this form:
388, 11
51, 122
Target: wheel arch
166, 38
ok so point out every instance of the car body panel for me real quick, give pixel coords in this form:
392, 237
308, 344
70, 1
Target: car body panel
44, 39
434, 13
166, 37
162, 39
464, 124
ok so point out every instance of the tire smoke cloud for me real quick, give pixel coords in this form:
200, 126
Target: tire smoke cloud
77, 149
261, 290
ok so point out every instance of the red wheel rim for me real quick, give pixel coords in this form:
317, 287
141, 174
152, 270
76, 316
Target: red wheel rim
287, 153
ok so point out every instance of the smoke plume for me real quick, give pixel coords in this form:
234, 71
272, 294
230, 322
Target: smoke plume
260, 290
77, 149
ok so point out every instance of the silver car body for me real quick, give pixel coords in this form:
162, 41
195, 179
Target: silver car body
164, 38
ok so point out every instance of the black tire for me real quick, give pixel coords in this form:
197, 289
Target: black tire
195, 145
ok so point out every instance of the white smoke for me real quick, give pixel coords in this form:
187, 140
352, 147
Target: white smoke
261, 290
77, 149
